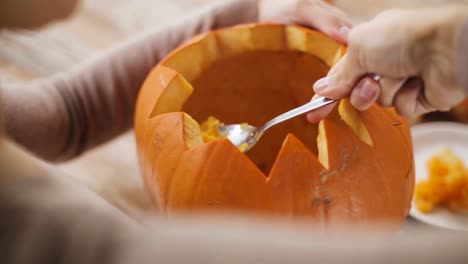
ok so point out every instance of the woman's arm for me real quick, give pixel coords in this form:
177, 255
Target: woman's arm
60, 117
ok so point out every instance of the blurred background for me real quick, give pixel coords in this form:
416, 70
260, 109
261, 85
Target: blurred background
99, 25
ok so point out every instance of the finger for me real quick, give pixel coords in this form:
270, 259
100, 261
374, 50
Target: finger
365, 94
327, 19
341, 79
422, 104
337, 67
335, 28
338, 33
319, 114
406, 99
389, 87
441, 93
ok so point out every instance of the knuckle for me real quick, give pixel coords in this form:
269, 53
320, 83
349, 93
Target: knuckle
383, 102
403, 110
438, 98
385, 99
358, 48
403, 106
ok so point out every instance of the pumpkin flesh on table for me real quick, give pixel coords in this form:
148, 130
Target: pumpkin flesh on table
354, 167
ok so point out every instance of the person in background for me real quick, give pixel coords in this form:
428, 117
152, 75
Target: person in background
46, 217
59, 118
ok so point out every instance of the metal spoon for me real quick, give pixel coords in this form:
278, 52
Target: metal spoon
245, 136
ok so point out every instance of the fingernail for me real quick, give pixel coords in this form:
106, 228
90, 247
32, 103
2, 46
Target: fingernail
344, 30
321, 84
367, 93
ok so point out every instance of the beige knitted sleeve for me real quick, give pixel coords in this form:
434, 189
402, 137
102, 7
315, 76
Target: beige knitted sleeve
60, 117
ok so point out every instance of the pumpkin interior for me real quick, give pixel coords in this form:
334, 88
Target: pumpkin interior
254, 87
252, 75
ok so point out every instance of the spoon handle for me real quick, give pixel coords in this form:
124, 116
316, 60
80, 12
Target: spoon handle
306, 108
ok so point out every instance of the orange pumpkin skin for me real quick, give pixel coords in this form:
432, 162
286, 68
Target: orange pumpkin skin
364, 183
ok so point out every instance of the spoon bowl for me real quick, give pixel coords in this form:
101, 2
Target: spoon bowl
246, 136
242, 136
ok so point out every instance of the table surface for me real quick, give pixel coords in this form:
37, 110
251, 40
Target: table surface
112, 169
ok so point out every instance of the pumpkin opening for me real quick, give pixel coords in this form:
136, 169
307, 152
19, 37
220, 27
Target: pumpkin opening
254, 87
250, 75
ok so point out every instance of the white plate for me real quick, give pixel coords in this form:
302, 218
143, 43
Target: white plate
429, 139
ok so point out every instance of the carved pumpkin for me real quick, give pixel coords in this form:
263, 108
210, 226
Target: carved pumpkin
354, 166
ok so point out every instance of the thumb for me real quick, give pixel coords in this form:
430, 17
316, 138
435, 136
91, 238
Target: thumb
341, 79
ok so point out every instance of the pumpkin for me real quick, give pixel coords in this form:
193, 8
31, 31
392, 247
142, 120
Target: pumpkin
355, 167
